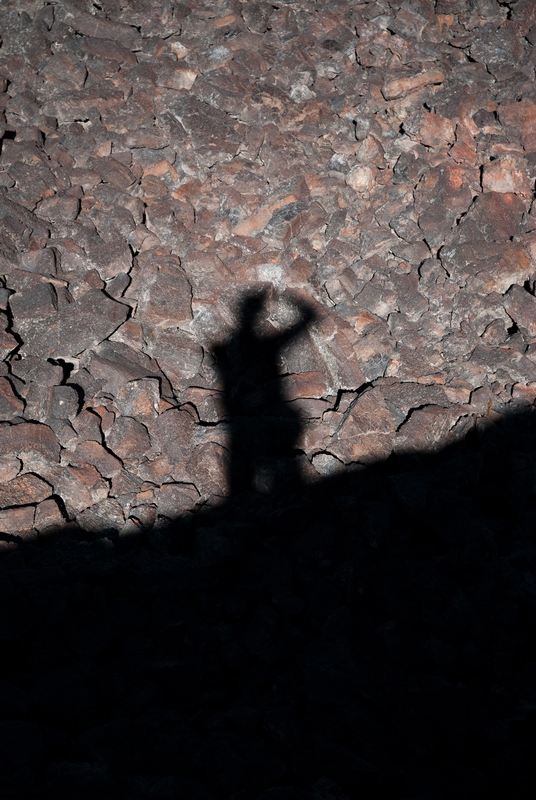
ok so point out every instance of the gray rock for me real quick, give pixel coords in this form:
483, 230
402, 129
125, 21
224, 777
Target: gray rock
77, 326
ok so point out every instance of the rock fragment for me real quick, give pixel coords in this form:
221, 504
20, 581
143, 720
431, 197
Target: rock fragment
508, 173
366, 432
173, 496
48, 516
139, 399
10, 404
173, 433
80, 488
84, 323
18, 521
128, 439
27, 438
24, 490
87, 24
398, 87
520, 305
93, 453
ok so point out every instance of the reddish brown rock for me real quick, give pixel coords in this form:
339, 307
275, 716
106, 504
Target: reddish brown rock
64, 402
28, 438
139, 399
100, 28
366, 432
10, 404
494, 217
178, 353
209, 405
117, 363
9, 467
214, 135
334, 342
436, 131
7, 343
370, 151
62, 72
128, 439
392, 186
173, 499
464, 151
105, 516
76, 326
162, 290
305, 384
106, 48
59, 209
398, 87
87, 425
521, 307
173, 433
33, 304
378, 297
95, 454
258, 221
521, 116
361, 178
71, 257
69, 107
505, 364
48, 516
159, 470
34, 370
80, 488
112, 171
441, 197
208, 469
151, 139
109, 258
525, 393
426, 429
175, 75
144, 516
24, 490
375, 354
508, 173
40, 261
18, 522
487, 267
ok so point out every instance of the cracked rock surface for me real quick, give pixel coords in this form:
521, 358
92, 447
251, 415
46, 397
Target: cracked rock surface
364, 172
376, 159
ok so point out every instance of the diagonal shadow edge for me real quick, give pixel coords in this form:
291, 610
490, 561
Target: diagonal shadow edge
367, 636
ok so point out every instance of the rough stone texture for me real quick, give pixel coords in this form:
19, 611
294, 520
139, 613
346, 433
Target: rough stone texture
247, 248
29, 437
385, 192
78, 326
18, 521
24, 490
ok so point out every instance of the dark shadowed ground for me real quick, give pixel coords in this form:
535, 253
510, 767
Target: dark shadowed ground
365, 636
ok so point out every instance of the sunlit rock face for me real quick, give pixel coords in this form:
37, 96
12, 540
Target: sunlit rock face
267, 269
374, 160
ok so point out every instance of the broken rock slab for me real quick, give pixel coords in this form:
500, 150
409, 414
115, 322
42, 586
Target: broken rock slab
74, 328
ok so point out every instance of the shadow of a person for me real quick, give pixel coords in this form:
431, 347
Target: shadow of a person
369, 636
263, 428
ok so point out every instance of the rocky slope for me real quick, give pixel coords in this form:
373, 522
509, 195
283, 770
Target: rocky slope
269, 365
